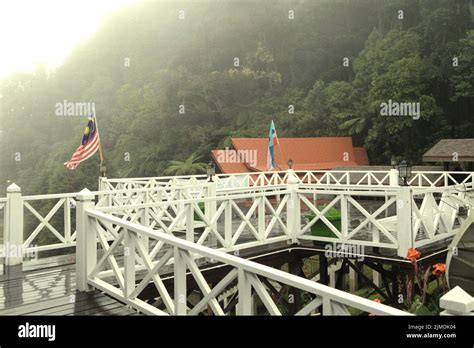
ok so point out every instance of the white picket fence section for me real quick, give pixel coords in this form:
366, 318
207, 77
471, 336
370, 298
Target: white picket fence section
151, 237
122, 281
441, 179
438, 213
434, 220
45, 235
317, 177
221, 219
403, 219
127, 233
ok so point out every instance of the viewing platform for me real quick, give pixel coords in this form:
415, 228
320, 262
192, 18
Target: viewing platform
229, 244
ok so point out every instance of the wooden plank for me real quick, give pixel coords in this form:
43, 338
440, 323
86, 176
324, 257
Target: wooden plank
28, 308
121, 311
66, 308
35, 278
100, 309
94, 304
19, 274
44, 287
12, 302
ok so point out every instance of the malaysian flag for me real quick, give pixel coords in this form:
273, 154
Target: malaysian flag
89, 146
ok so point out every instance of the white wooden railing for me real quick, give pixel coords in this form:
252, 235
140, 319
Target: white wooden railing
436, 213
150, 239
65, 235
374, 229
321, 177
434, 220
125, 284
47, 235
441, 179
54, 228
221, 220
401, 220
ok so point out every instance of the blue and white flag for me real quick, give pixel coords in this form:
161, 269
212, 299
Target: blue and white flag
272, 141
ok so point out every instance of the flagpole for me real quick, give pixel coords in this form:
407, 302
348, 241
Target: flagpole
101, 154
280, 147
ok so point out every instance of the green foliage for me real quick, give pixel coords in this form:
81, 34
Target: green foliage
418, 308
282, 62
186, 167
463, 77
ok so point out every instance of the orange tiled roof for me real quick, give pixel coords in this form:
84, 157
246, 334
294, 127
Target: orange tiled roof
361, 157
226, 166
307, 154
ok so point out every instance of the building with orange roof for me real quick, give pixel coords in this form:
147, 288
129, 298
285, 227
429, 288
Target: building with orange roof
321, 153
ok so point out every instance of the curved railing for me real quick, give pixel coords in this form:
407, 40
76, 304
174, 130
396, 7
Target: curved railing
126, 284
321, 177
47, 222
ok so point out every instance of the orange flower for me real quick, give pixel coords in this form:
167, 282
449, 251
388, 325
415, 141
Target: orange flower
439, 269
413, 254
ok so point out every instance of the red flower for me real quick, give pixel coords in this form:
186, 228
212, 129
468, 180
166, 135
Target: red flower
439, 269
413, 254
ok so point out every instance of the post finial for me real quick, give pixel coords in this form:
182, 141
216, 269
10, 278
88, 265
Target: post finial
85, 195
292, 177
13, 188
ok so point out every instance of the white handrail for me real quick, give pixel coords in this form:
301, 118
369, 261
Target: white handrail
247, 274
362, 177
145, 194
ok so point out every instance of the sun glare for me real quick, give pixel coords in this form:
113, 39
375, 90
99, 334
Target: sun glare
43, 32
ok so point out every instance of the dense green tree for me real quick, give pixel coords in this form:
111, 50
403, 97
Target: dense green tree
463, 63
143, 64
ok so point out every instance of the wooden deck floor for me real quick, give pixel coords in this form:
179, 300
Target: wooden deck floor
48, 287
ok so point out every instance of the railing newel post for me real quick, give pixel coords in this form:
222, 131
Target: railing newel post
405, 236
129, 262
13, 232
189, 222
67, 219
86, 240
180, 197
393, 177
457, 302
210, 206
293, 206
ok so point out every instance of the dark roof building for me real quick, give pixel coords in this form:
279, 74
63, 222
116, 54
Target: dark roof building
452, 151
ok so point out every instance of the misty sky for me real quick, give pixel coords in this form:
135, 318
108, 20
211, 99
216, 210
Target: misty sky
44, 31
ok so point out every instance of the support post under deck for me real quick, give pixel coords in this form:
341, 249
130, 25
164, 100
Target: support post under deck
323, 269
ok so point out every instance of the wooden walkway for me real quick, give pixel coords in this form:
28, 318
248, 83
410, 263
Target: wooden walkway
48, 287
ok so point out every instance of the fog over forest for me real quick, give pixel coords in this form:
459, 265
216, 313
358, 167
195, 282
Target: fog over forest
170, 80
